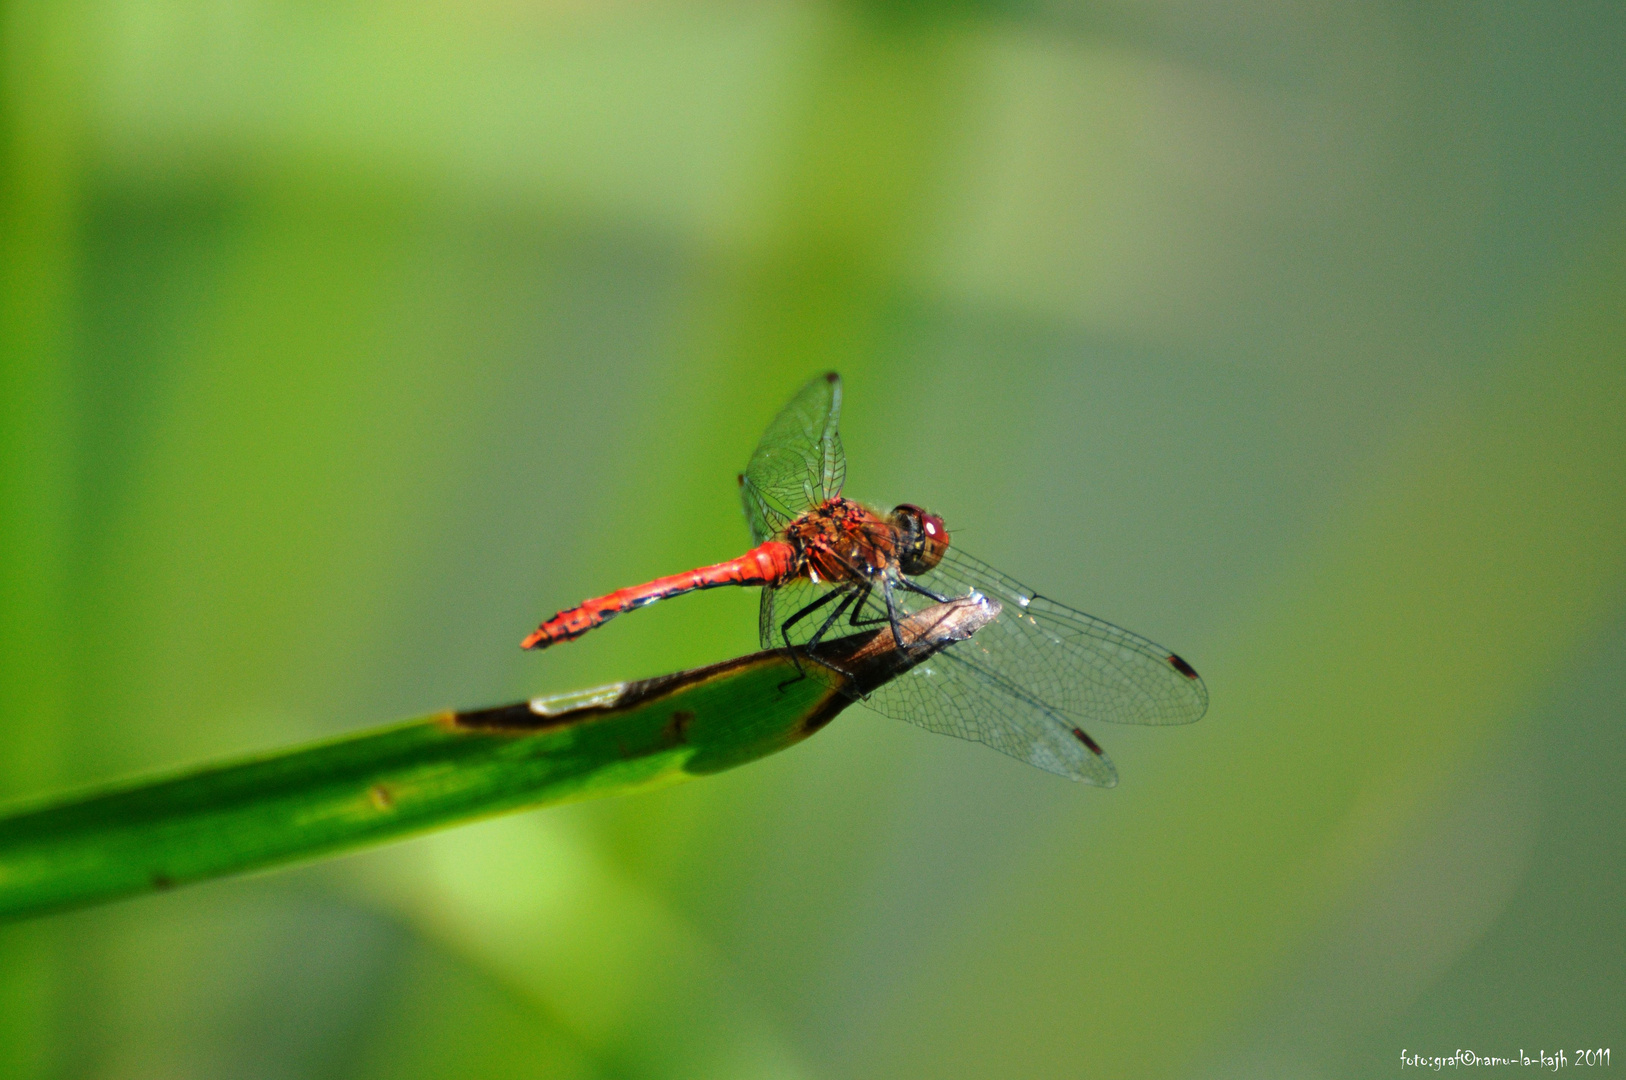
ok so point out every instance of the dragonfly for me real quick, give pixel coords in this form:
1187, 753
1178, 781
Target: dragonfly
1024, 683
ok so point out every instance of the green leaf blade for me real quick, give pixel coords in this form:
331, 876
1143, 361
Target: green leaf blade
398, 781
148, 835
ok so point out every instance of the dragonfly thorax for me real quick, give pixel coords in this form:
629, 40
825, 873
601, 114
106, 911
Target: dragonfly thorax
842, 540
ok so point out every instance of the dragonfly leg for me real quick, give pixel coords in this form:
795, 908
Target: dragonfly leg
784, 627
892, 612
784, 630
912, 587
840, 610
853, 619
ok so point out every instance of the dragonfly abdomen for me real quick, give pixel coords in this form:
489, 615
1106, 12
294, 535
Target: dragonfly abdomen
767, 564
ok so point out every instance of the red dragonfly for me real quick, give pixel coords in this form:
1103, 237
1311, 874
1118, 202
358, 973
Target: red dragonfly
1023, 684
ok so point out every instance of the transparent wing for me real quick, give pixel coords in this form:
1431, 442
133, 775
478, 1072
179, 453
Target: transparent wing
1072, 662
1023, 684
957, 693
798, 463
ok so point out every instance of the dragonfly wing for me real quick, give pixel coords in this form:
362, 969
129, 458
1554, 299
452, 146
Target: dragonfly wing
956, 693
765, 518
1071, 662
798, 463
952, 692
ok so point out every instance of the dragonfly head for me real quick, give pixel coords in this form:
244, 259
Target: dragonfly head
922, 539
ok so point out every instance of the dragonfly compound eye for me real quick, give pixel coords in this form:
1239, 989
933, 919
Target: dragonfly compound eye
922, 539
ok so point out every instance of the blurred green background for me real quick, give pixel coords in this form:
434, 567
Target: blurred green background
342, 342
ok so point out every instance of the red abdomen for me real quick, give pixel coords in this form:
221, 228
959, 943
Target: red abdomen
769, 564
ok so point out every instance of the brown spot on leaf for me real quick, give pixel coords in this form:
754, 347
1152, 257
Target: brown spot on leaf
676, 731
381, 797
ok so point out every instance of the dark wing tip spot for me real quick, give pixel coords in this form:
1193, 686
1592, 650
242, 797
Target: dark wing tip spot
742, 479
830, 376
1182, 667
1078, 733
